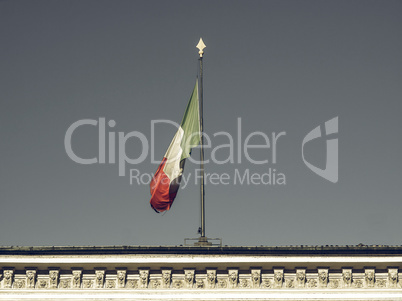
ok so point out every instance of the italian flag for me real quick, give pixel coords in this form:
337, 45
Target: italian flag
166, 181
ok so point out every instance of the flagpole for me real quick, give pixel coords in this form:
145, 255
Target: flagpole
202, 155
202, 240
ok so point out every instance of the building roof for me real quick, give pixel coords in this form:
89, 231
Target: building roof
379, 250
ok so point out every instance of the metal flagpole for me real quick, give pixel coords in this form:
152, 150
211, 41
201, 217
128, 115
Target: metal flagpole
203, 239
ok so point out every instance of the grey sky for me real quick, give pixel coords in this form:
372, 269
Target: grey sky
279, 65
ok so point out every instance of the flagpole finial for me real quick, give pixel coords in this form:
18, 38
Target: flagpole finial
201, 46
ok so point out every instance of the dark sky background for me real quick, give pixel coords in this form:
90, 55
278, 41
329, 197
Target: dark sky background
278, 65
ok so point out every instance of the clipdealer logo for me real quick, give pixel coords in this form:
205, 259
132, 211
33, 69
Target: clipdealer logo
330, 172
242, 148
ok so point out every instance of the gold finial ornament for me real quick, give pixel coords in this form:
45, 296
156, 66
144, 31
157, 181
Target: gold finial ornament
201, 46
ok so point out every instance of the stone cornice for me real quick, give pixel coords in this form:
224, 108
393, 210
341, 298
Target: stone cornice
376, 250
198, 273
